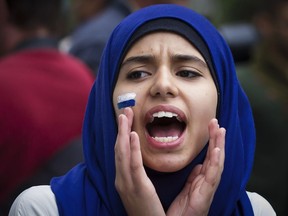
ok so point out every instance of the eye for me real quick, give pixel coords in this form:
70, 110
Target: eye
137, 75
188, 74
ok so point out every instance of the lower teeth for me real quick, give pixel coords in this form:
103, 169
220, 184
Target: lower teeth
165, 139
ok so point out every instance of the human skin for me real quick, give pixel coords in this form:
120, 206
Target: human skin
167, 74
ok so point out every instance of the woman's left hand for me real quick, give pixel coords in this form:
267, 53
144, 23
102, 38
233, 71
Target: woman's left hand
197, 195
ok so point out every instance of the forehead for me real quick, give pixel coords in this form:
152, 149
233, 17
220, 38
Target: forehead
163, 41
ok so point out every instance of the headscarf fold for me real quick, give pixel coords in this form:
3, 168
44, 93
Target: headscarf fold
88, 189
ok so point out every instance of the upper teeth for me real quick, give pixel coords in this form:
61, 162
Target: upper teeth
162, 114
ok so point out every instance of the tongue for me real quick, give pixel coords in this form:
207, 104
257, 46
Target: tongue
165, 130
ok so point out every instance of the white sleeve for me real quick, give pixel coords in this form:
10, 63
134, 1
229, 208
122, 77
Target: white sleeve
261, 207
38, 200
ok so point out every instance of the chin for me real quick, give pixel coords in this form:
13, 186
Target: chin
165, 165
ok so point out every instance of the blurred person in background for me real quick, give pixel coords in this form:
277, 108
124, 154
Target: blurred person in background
43, 95
265, 80
95, 20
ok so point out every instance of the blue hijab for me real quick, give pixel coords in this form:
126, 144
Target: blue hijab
88, 189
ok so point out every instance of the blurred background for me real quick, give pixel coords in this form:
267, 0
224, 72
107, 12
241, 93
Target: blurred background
257, 33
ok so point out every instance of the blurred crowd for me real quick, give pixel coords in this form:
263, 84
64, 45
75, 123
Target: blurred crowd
49, 56
43, 95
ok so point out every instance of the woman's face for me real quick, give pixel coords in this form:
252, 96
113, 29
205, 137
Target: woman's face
176, 99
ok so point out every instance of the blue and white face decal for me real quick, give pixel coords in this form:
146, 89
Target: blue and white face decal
126, 100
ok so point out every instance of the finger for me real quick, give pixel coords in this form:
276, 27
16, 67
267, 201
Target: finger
191, 180
220, 143
215, 165
213, 127
128, 112
136, 157
213, 130
220, 138
138, 173
122, 145
122, 149
211, 179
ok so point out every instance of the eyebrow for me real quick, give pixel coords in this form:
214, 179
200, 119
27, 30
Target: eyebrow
189, 58
175, 58
138, 59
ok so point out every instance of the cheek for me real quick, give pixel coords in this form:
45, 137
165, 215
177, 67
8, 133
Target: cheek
116, 93
138, 111
115, 105
204, 102
211, 99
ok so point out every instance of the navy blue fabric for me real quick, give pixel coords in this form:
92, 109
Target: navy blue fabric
88, 189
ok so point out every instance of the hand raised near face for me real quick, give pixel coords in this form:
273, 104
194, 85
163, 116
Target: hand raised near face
133, 185
197, 195
137, 191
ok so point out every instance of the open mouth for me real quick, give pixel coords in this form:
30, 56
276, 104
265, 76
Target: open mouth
165, 127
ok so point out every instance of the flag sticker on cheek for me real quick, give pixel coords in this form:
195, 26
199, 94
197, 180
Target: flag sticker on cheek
126, 100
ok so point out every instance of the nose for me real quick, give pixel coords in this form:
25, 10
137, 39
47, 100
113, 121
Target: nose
164, 84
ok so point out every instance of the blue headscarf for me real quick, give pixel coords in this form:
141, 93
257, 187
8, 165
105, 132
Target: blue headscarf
88, 189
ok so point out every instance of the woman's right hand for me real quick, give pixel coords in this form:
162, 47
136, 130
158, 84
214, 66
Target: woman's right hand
132, 183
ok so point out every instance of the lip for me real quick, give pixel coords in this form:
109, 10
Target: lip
167, 145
